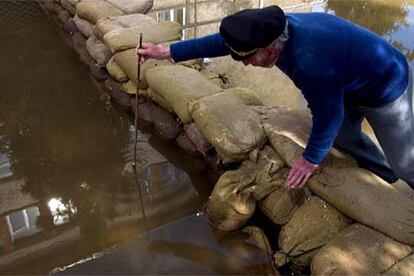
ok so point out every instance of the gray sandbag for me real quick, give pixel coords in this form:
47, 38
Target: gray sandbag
93, 10
164, 123
67, 5
355, 192
98, 50
281, 204
358, 250
233, 200
313, 225
106, 25
53, 7
79, 42
404, 267
132, 6
84, 26
197, 137
84, 57
179, 86
144, 111
228, 123
127, 38
99, 73
186, 144
117, 95
115, 71
64, 16
70, 27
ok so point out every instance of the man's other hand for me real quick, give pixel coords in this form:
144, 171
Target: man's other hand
150, 50
300, 172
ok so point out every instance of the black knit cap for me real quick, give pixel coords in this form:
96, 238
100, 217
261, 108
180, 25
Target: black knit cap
248, 30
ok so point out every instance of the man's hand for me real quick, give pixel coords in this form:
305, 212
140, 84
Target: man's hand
300, 172
150, 50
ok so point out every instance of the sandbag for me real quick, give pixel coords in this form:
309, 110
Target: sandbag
85, 27
64, 16
127, 38
159, 100
358, 250
232, 201
313, 225
93, 10
84, 57
132, 6
117, 95
129, 88
197, 137
70, 27
404, 267
228, 123
73, 2
186, 144
179, 86
106, 25
144, 111
67, 5
115, 71
99, 73
216, 78
79, 43
99, 51
164, 123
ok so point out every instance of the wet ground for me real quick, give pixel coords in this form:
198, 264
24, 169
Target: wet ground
66, 191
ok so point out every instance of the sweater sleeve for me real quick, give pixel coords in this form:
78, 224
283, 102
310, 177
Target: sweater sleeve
325, 99
207, 46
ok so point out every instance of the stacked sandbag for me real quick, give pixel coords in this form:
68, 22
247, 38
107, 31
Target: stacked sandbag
98, 51
93, 10
359, 250
84, 26
69, 5
228, 123
132, 6
403, 267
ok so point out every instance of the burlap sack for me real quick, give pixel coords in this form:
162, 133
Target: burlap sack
144, 111
232, 201
164, 123
99, 51
355, 192
64, 16
129, 88
132, 6
159, 100
85, 57
313, 225
179, 86
358, 250
97, 72
117, 95
73, 2
196, 136
127, 38
229, 124
79, 43
185, 143
67, 5
115, 71
216, 78
404, 267
85, 27
70, 27
106, 25
93, 10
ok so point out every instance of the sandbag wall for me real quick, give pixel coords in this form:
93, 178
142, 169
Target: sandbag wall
348, 221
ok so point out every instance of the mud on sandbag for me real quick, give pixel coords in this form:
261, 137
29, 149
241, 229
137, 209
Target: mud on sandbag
132, 6
197, 137
115, 71
93, 10
403, 267
186, 144
67, 5
229, 124
233, 200
217, 79
85, 27
127, 38
117, 95
99, 51
70, 27
358, 250
179, 86
164, 123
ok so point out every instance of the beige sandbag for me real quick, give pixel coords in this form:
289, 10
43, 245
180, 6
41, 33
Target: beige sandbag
84, 26
67, 5
115, 71
129, 88
93, 10
313, 225
132, 6
179, 86
232, 201
358, 250
228, 123
106, 25
127, 38
99, 51
73, 2
159, 100
404, 267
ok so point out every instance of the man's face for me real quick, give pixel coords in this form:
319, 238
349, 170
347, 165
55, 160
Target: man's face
266, 57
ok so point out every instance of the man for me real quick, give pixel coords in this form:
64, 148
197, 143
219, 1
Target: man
345, 72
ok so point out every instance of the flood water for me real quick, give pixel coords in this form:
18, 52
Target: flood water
66, 189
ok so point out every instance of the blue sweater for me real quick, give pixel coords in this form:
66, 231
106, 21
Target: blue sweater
335, 64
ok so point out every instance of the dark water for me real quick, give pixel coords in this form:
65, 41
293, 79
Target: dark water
66, 190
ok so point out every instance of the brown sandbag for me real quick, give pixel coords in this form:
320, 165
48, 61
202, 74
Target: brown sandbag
117, 95
313, 225
357, 193
127, 38
84, 57
132, 6
358, 250
159, 100
85, 27
179, 86
79, 43
99, 51
67, 5
93, 10
99, 73
106, 25
70, 27
228, 123
186, 144
64, 16
233, 200
165, 124
197, 137
115, 71
144, 111
404, 267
